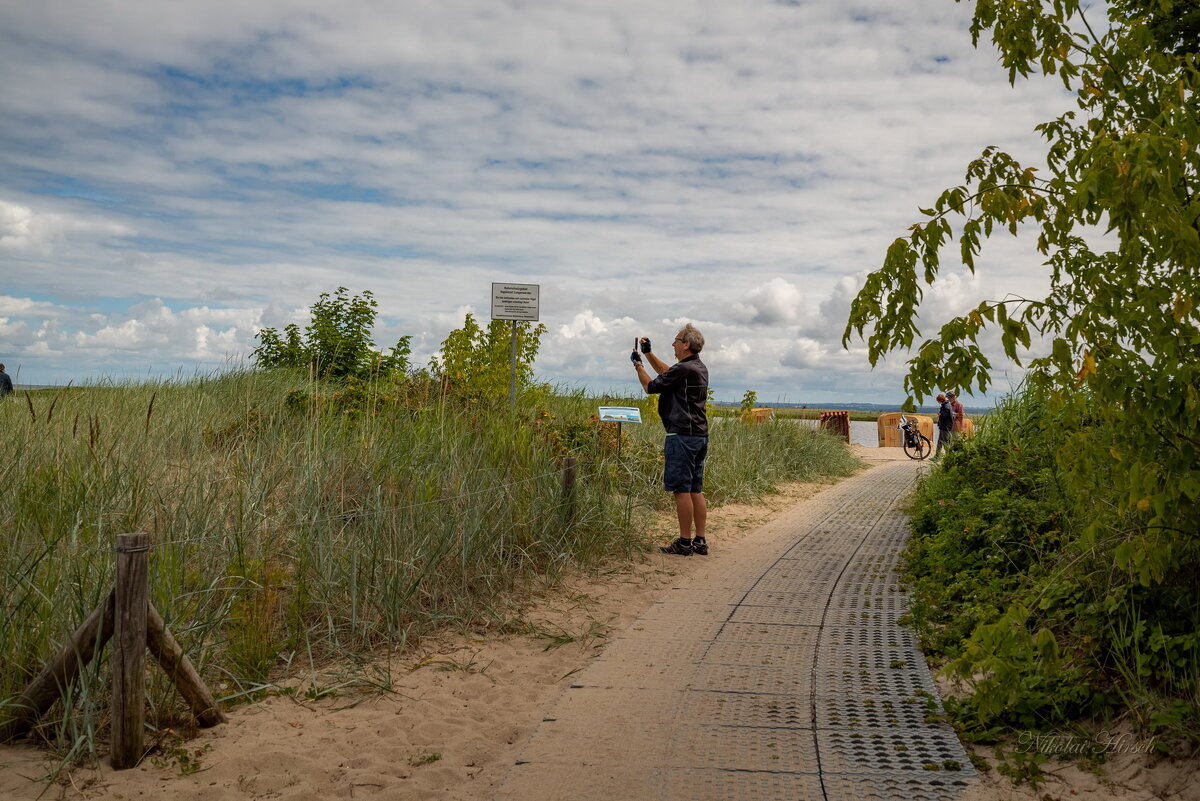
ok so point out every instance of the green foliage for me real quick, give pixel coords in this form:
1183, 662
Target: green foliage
476, 362
1022, 765
1113, 347
1031, 610
1174, 24
572, 435
749, 400
909, 406
337, 342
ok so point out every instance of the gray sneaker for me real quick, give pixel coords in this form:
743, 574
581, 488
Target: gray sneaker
678, 547
700, 546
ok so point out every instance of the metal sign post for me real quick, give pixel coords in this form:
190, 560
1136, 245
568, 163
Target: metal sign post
512, 369
515, 302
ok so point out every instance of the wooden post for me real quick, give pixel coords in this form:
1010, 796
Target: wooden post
79, 649
568, 487
127, 615
129, 649
179, 669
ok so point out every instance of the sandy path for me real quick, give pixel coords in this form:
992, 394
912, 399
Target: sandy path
776, 670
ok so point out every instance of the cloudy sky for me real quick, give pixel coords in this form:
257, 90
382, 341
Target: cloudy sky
175, 176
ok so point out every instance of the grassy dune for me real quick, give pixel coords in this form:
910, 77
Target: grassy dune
298, 523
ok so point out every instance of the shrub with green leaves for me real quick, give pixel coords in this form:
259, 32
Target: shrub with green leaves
749, 401
1027, 605
1113, 348
336, 343
477, 363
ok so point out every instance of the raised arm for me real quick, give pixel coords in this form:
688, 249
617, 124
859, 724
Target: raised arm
658, 364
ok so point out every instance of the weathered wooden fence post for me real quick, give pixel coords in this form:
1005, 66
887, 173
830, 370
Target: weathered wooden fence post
129, 649
568, 487
46, 688
179, 669
126, 616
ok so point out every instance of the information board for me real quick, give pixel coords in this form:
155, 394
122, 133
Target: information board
620, 414
515, 301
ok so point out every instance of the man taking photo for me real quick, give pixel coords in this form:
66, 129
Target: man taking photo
682, 390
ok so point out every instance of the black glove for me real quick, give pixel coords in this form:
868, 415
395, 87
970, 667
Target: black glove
635, 358
646, 345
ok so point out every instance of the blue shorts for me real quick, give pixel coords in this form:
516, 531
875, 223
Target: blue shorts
684, 463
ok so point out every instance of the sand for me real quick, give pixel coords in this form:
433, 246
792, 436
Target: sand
461, 705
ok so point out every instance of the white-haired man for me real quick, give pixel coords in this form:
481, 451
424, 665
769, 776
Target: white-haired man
682, 390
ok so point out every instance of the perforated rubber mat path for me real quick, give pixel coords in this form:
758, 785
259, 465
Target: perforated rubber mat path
778, 671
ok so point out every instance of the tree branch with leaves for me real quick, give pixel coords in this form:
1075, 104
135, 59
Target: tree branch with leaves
1113, 354
1115, 219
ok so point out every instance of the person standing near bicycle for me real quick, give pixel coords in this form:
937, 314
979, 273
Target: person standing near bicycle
959, 416
682, 390
945, 426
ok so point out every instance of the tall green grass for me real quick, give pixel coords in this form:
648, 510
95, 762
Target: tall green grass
299, 522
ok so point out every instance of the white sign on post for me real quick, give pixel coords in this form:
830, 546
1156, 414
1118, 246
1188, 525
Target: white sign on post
620, 414
515, 301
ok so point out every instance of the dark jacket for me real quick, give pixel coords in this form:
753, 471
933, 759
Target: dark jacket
682, 393
5, 384
945, 416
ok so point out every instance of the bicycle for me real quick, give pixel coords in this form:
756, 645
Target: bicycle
916, 444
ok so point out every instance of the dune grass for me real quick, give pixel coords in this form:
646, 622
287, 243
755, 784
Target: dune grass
293, 522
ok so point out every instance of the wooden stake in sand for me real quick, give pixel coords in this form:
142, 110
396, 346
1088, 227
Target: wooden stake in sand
79, 649
129, 649
127, 616
568, 487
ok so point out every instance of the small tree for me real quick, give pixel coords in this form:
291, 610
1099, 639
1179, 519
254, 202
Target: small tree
475, 362
276, 351
336, 343
748, 402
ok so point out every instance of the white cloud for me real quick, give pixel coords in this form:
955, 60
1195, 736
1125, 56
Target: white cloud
585, 325
14, 224
777, 302
24, 306
803, 353
52, 336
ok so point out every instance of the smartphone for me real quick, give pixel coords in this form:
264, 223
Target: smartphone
635, 343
